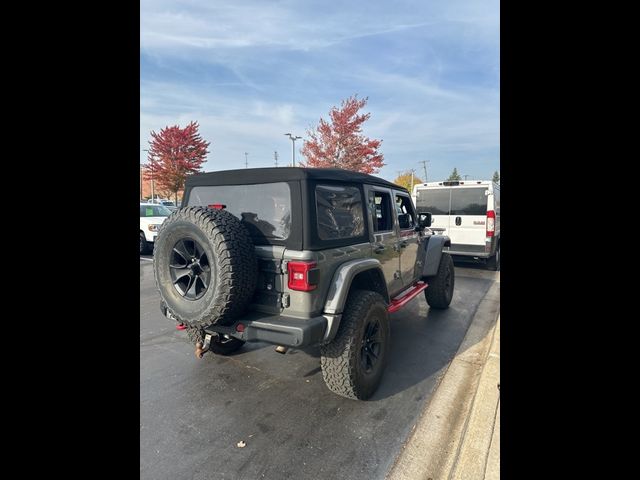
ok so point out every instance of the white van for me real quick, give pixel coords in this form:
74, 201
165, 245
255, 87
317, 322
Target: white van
468, 212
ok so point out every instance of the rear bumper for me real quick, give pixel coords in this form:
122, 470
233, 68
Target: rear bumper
279, 329
473, 251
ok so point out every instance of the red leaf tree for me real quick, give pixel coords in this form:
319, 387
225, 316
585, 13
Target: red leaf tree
175, 153
341, 144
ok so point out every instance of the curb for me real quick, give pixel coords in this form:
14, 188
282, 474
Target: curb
443, 443
479, 444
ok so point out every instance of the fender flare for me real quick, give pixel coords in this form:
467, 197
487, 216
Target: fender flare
432, 253
340, 287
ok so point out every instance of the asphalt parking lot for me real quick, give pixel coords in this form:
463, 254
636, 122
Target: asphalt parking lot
194, 412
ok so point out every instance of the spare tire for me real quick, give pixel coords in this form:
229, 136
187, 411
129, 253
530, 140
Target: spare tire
205, 266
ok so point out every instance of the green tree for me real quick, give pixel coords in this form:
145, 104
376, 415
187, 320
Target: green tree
404, 180
454, 175
496, 177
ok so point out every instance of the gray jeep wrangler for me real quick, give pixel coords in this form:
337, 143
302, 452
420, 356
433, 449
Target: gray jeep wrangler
299, 257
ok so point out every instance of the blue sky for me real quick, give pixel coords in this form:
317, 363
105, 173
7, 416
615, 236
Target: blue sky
250, 71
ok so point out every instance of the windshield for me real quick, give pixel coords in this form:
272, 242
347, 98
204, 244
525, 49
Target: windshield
154, 211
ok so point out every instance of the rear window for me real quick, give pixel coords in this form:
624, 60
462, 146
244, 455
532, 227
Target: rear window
265, 209
434, 201
339, 212
468, 201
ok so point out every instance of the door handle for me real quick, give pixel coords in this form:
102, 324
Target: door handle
379, 249
458, 220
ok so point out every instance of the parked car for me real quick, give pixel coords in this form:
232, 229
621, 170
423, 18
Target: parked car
151, 217
298, 257
469, 213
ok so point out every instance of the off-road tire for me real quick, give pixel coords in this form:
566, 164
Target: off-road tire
144, 245
493, 263
440, 290
341, 360
229, 254
221, 346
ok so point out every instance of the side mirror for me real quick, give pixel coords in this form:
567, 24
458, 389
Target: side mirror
424, 220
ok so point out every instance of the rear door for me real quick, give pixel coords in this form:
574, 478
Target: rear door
468, 218
436, 200
385, 236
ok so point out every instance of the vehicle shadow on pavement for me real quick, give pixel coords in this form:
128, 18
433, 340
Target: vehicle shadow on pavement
425, 340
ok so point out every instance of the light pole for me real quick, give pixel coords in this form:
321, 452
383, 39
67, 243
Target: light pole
153, 187
293, 148
140, 183
246, 162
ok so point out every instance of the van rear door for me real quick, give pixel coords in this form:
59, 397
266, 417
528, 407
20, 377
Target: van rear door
468, 218
435, 200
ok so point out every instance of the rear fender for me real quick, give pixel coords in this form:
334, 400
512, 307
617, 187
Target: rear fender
363, 274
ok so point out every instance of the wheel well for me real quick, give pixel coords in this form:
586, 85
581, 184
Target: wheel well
371, 280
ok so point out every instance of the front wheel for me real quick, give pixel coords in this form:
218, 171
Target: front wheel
353, 363
440, 290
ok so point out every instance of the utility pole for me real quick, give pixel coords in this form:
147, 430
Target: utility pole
412, 173
293, 148
275, 156
424, 164
246, 162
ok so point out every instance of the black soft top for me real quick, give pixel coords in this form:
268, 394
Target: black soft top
245, 176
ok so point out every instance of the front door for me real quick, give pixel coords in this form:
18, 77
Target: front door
408, 237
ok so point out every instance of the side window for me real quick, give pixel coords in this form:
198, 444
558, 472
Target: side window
406, 215
381, 211
339, 212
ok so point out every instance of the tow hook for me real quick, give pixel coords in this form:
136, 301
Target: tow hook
202, 349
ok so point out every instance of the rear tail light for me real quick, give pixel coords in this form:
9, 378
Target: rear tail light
491, 223
303, 276
217, 206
